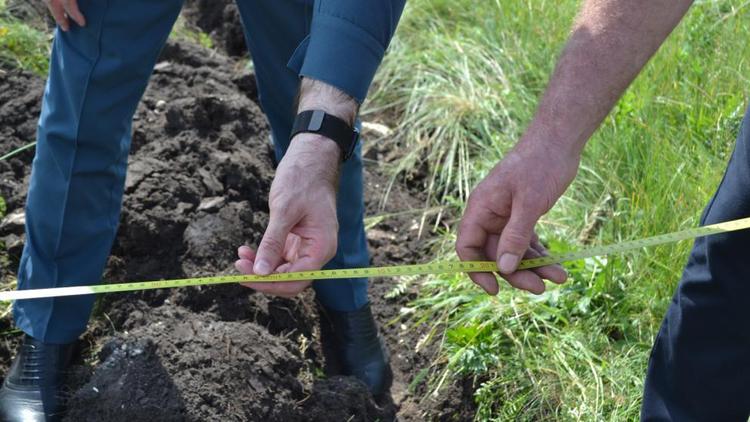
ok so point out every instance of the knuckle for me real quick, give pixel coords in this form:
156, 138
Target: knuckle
515, 238
277, 202
282, 211
272, 244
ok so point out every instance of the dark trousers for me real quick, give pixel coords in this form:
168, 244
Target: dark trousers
700, 364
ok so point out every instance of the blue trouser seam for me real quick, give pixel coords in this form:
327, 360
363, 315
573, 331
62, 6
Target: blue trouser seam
72, 164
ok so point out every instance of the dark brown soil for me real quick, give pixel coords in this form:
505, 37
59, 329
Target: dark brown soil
200, 169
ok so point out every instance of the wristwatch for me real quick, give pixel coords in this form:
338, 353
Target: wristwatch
322, 123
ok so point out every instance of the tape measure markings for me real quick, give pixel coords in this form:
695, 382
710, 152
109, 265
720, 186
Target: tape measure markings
440, 267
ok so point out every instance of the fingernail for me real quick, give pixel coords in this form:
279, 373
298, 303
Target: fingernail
508, 263
262, 267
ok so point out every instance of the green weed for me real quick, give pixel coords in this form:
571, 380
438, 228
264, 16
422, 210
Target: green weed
184, 31
23, 46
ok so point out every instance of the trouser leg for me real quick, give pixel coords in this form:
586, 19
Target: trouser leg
699, 368
274, 30
97, 76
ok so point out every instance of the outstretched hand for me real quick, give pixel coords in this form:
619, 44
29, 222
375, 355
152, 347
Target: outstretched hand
503, 209
302, 229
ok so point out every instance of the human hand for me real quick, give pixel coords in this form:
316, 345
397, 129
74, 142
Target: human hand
498, 223
61, 10
302, 231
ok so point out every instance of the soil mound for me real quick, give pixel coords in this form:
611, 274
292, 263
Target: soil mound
178, 365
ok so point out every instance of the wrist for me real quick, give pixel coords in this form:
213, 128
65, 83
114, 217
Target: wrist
325, 149
317, 95
316, 157
543, 137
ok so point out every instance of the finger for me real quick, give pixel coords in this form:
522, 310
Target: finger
525, 280
470, 245
315, 252
291, 248
555, 272
285, 289
58, 12
71, 8
244, 266
305, 262
284, 268
246, 252
515, 238
271, 250
288, 289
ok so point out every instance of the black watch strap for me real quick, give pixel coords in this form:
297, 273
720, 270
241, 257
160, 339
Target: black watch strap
320, 122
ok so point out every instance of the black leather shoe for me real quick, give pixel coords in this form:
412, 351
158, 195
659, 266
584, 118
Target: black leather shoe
31, 389
360, 348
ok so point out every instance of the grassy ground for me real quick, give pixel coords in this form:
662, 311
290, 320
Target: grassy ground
462, 83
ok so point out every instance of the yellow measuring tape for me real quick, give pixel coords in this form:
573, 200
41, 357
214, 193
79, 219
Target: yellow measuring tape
442, 267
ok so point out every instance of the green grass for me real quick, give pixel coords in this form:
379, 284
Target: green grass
462, 80
22, 45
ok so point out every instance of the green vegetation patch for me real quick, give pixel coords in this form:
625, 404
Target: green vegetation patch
462, 80
22, 45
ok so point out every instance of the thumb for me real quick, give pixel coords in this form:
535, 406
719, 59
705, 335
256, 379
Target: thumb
515, 238
271, 249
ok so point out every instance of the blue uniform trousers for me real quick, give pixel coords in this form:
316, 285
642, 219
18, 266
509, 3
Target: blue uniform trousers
97, 75
700, 364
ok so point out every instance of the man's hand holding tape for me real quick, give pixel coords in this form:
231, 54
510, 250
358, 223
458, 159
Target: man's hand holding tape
611, 41
302, 228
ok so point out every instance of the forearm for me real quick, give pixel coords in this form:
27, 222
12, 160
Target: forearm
610, 43
316, 95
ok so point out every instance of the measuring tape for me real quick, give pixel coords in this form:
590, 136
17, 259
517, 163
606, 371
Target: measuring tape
442, 267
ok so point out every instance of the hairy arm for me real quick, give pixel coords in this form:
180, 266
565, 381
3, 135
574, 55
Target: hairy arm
610, 43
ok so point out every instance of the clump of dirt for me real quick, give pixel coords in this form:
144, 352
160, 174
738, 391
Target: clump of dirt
200, 169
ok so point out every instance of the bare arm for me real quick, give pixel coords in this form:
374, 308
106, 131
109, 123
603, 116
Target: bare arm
611, 41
